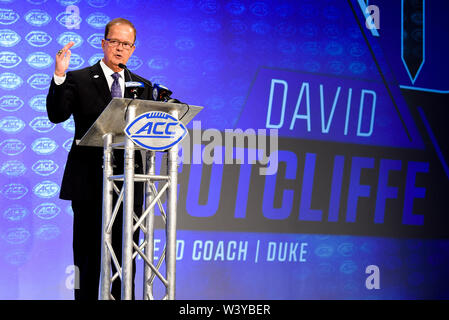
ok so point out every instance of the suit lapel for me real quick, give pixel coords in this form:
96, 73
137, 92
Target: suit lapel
127, 94
100, 83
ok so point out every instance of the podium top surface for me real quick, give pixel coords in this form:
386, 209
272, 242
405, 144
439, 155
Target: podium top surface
112, 119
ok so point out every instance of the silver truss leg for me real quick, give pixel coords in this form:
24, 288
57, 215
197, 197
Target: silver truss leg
128, 210
172, 194
149, 224
105, 275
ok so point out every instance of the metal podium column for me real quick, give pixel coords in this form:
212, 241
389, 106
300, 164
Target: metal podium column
149, 224
105, 275
172, 195
128, 210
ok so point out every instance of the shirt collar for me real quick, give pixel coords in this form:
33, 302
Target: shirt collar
108, 71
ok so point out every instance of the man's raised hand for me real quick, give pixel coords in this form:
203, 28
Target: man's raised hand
62, 59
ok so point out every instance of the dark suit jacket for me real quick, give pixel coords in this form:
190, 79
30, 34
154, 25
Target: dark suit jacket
86, 96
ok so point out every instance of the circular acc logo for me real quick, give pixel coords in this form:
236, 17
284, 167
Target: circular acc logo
12, 147
10, 103
8, 38
46, 189
37, 18
8, 16
9, 59
38, 38
39, 81
14, 191
47, 210
10, 81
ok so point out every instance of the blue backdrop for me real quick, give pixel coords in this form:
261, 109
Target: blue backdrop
361, 115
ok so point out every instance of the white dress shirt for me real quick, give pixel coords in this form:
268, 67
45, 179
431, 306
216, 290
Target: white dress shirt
107, 73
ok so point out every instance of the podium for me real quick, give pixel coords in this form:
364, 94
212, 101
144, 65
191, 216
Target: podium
108, 132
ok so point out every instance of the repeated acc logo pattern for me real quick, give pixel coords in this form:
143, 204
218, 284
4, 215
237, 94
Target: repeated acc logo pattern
31, 147
13, 157
29, 162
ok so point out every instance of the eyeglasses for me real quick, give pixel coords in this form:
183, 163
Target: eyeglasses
116, 43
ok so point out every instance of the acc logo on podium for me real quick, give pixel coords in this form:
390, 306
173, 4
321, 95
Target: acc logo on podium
156, 131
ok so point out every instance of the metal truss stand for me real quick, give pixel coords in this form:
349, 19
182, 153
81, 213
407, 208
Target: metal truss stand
107, 131
132, 223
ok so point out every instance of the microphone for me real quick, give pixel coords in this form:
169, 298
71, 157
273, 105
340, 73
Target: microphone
161, 93
133, 83
136, 88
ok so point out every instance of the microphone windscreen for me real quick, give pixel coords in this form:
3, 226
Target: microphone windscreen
132, 84
160, 92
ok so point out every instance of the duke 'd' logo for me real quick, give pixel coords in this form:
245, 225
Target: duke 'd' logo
156, 131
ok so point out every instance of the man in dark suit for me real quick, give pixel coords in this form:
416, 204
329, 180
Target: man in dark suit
84, 94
